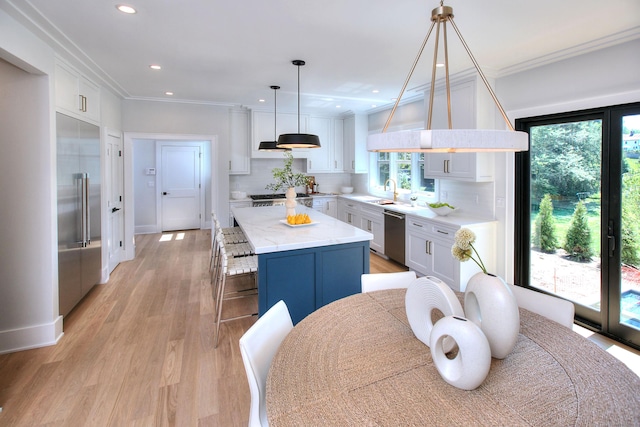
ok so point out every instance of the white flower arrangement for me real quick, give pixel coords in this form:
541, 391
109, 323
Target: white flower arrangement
463, 249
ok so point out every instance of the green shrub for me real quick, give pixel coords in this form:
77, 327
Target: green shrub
578, 240
544, 234
630, 245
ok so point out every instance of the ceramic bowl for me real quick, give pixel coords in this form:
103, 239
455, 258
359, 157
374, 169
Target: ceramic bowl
442, 211
346, 190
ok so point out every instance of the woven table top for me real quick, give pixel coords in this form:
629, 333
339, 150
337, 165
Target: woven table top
356, 362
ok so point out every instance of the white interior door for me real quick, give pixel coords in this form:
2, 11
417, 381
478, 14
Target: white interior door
180, 187
115, 195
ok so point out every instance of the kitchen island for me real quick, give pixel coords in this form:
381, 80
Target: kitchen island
307, 266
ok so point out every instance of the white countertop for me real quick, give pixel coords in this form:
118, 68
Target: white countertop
457, 218
267, 234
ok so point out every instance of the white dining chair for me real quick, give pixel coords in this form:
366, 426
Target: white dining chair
553, 308
379, 281
258, 346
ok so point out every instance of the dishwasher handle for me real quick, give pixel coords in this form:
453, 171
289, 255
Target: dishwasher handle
393, 214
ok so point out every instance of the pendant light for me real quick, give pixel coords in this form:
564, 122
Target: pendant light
272, 145
298, 140
447, 140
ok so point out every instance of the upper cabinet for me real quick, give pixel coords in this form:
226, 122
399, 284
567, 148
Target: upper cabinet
76, 96
327, 158
476, 167
239, 142
471, 108
356, 156
262, 125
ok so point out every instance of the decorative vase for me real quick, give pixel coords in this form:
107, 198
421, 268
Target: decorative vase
290, 202
490, 304
470, 366
424, 295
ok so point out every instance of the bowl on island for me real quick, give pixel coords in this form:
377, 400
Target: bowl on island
346, 190
441, 209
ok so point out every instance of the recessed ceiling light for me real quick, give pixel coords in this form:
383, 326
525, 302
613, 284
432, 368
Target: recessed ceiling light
375, 91
126, 9
373, 105
261, 100
168, 93
338, 106
439, 65
155, 67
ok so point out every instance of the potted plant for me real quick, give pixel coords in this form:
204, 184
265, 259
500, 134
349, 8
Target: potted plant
286, 178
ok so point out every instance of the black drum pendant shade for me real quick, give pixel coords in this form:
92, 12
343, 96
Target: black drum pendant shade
273, 145
298, 140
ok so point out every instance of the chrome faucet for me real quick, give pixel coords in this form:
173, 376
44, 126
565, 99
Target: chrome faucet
395, 188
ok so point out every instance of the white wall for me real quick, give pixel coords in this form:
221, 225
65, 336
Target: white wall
144, 156
183, 119
28, 229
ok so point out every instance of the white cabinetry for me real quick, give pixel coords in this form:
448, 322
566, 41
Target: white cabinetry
472, 108
328, 205
356, 156
372, 220
349, 212
262, 126
476, 167
428, 250
239, 142
327, 158
76, 96
366, 216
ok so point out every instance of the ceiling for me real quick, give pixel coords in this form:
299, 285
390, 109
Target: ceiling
227, 52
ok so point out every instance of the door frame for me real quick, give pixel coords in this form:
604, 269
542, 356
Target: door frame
215, 184
110, 174
611, 153
168, 143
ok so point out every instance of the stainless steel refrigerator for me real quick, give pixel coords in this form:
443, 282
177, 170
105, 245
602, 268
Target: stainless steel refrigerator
79, 242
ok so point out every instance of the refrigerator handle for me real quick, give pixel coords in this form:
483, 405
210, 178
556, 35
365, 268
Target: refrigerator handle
83, 225
87, 238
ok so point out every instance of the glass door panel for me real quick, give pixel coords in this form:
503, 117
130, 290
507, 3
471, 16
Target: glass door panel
625, 299
565, 212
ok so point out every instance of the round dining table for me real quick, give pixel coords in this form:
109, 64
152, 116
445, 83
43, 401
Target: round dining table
356, 362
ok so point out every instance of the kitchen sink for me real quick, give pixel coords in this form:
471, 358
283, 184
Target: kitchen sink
382, 202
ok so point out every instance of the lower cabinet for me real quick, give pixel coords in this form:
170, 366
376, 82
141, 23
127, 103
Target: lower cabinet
328, 205
366, 217
372, 220
349, 212
428, 250
307, 279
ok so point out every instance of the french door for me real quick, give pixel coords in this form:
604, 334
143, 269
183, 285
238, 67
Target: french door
578, 214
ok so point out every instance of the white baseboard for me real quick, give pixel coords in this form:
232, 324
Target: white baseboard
31, 337
145, 229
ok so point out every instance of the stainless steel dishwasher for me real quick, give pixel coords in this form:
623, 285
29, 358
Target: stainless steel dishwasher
394, 235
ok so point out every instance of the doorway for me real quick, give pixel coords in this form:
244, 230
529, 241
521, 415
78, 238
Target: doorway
142, 181
180, 201
577, 215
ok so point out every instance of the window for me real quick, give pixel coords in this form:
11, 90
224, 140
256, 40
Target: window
406, 169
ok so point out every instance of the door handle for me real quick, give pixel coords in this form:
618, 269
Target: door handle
611, 238
115, 210
164, 193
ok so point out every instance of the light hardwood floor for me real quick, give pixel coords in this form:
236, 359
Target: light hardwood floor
139, 349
